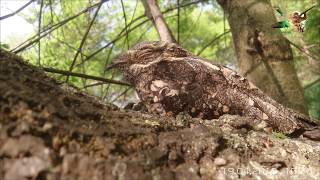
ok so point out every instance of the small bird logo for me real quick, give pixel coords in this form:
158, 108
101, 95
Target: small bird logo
297, 19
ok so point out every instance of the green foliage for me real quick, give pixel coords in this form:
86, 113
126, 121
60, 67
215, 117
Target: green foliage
312, 95
313, 25
4, 46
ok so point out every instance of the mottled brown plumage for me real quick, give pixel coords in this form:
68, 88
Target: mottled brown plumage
170, 80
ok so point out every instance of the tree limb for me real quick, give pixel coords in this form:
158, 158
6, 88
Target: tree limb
212, 41
300, 49
311, 84
17, 11
178, 21
29, 42
156, 16
131, 29
84, 39
39, 31
125, 23
68, 73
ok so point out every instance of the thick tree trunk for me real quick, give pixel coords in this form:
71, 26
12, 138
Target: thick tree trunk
154, 14
264, 55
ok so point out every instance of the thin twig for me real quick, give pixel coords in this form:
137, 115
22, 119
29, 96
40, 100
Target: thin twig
108, 58
124, 92
94, 84
144, 32
68, 45
181, 6
108, 87
105, 70
178, 21
120, 35
52, 28
83, 70
29, 42
125, 23
68, 73
48, 30
212, 41
301, 49
39, 31
193, 28
17, 11
51, 10
311, 84
133, 14
83, 40
224, 28
107, 62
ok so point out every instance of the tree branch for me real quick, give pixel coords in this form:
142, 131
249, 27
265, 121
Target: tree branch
120, 35
178, 21
39, 31
154, 13
67, 73
125, 23
131, 29
17, 11
29, 42
68, 45
121, 94
212, 41
84, 39
311, 84
300, 49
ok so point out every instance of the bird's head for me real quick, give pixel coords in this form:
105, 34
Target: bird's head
146, 52
295, 15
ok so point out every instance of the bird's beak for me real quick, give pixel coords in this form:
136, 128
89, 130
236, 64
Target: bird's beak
121, 59
115, 65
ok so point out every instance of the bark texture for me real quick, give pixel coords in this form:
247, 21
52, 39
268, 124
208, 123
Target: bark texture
50, 132
264, 55
155, 15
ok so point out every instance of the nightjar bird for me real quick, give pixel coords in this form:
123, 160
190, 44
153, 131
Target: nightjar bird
170, 80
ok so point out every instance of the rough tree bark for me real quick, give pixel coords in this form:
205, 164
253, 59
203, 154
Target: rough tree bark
264, 55
154, 14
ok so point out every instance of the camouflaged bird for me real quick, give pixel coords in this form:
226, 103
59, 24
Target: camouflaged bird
170, 80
